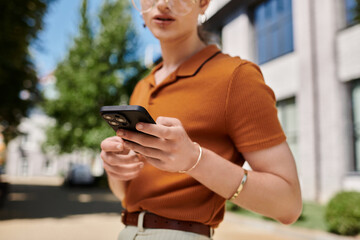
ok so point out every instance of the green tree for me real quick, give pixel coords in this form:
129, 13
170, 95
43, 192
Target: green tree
94, 73
357, 9
20, 21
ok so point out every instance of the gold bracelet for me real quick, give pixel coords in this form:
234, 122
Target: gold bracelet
197, 161
241, 186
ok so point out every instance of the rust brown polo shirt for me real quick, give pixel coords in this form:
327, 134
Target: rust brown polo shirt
225, 106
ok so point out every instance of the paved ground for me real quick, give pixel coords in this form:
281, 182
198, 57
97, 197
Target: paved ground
42, 210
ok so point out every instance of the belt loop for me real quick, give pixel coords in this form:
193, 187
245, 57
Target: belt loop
211, 233
141, 221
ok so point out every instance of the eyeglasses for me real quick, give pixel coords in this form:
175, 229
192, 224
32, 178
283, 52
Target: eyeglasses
178, 7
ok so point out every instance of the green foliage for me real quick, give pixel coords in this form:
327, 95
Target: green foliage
93, 74
232, 207
312, 216
20, 21
343, 213
357, 9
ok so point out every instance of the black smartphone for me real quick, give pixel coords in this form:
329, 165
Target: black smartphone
125, 116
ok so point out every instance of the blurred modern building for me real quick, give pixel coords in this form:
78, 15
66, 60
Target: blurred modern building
25, 155
309, 52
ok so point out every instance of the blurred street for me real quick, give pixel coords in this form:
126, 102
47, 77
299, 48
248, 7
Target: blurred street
42, 209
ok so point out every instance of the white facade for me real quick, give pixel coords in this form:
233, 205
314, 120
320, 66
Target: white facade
326, 57
25, 155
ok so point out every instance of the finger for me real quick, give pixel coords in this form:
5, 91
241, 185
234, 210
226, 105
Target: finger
118, 159
142, 139
125, 168
146, 151
112, 144
126, 177
120, 175
166, 128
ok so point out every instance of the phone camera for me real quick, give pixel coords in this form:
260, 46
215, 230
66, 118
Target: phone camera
114, 123
120, 119
107, 117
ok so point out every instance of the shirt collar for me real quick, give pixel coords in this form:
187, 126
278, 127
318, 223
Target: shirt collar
191, 66
194, 64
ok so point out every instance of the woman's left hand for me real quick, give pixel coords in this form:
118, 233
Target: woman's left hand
167, 147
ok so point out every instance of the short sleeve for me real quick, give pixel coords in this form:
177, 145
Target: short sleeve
251, 114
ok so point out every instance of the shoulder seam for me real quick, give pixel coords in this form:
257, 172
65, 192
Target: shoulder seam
228, 91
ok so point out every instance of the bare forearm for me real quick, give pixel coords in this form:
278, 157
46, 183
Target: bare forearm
272, 196
264, 193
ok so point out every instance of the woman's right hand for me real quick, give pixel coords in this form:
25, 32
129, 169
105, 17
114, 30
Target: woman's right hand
120, 163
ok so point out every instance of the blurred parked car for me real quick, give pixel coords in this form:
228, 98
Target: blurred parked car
79, 175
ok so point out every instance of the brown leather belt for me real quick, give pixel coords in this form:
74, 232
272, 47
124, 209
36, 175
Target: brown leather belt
154, 221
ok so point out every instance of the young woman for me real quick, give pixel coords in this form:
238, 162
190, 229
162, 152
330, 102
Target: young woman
213, 113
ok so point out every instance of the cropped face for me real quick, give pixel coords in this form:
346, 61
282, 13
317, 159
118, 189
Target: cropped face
171, 20
178, 7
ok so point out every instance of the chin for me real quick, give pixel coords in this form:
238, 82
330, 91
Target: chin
164, 36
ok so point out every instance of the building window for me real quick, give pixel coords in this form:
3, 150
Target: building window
288, 118
273, 29
356, 124
350, 8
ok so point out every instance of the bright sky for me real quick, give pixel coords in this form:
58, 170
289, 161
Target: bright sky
60, 26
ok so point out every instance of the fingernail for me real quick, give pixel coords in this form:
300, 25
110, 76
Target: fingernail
141, 165
139, 126
120, 133
120, 147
